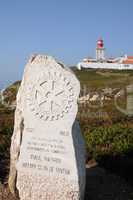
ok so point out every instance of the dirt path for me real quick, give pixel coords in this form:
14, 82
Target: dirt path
101, 185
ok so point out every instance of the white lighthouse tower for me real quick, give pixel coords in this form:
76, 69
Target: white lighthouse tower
100, 51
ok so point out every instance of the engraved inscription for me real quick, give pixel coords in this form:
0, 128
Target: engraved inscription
47, 154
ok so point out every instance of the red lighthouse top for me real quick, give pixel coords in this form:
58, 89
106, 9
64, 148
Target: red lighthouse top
100, 43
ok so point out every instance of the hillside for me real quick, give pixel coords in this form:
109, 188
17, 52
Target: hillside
10, 92
107, 131
94, 79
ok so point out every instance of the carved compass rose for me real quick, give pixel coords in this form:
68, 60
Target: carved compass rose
51, 96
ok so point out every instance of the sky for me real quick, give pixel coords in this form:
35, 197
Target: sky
65, 29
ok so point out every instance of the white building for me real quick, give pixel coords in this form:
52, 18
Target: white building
101, 62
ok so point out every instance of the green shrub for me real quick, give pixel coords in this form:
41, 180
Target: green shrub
114, 140
5, 139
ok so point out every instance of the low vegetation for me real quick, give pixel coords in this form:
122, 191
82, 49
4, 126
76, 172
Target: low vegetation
5, 137
114, 140
6, 130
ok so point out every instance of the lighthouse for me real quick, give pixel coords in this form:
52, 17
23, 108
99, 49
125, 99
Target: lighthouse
100, 51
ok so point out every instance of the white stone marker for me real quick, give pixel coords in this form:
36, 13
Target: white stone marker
47, 149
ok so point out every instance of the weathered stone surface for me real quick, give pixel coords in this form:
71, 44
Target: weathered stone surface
47, 150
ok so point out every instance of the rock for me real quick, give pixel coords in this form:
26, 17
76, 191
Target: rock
47, 148
84, 99
95, 97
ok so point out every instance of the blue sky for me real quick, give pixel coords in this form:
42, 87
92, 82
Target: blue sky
66, 29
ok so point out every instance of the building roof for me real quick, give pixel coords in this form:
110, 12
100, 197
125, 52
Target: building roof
127, 61
130, 57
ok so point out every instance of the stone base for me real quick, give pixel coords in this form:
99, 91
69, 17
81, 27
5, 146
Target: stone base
46, 188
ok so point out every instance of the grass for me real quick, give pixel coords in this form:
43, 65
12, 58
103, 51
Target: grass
104, 78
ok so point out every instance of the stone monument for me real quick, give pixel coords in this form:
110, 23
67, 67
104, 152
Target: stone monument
47, 148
